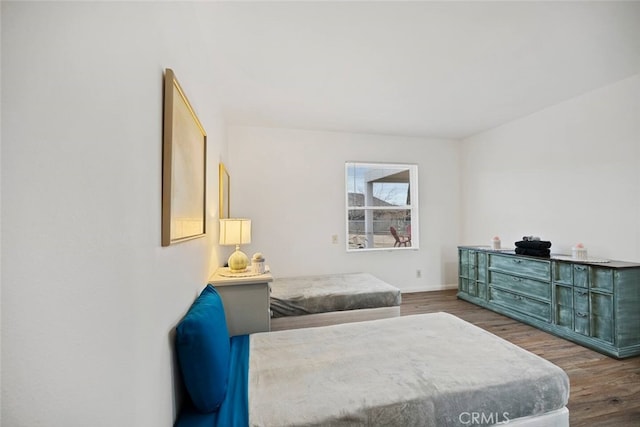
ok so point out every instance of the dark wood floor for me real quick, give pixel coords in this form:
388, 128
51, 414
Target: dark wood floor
604, 391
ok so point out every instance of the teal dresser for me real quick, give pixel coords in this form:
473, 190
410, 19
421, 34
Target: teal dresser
593, 304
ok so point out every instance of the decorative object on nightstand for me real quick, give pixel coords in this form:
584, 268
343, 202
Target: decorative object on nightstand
236, 231
257, 263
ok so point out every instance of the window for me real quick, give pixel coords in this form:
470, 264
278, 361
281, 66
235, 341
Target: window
382, 206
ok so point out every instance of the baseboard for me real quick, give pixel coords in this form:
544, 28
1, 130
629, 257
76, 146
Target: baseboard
443, 287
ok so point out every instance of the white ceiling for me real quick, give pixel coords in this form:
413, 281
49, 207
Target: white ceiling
434, 69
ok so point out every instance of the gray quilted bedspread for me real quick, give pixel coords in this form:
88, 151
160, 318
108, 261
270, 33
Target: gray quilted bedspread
296, 296
422, 370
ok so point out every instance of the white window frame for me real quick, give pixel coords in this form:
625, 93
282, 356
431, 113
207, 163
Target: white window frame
363, 242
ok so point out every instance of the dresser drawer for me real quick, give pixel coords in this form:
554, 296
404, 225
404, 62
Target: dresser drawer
464, 284
564, 316
520, 303
464, 256
562, 272
564, 296
473, 288
581, 299
481, 266
581, 322
602, 328
521, 285
521, 266
602, 279
602, 305
482, 290
463, 263
473, 271
594, 320
581, 276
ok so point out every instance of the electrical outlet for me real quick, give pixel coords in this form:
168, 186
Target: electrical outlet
418, 274
334, 239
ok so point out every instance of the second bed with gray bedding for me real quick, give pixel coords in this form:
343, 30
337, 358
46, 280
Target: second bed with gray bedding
295, 296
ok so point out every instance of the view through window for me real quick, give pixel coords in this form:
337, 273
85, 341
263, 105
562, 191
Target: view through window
382, 206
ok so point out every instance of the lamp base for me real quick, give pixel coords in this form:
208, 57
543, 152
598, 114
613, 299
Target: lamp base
238, 262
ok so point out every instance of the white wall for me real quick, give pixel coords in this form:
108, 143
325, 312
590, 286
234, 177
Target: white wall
0, 218
89, 296
569, 173
291, 184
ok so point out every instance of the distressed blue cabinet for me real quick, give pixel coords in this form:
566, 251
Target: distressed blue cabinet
473, 271
593, 304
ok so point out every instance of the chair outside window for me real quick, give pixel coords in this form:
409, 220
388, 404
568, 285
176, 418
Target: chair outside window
400, 240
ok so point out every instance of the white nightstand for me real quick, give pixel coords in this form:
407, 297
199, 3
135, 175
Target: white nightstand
245, 299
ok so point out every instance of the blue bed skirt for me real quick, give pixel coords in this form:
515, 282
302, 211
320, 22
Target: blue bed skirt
234, 411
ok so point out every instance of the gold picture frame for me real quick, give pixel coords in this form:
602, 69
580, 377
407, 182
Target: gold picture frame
224, 203
184, 167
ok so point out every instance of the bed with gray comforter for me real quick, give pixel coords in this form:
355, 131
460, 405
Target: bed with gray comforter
422, 370
296, 296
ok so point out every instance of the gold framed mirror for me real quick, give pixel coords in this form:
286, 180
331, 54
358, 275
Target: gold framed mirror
224, 202
184, 167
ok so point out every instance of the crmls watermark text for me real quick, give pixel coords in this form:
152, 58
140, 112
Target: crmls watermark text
477, 418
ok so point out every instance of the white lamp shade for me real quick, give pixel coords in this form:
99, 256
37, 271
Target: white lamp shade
235, 231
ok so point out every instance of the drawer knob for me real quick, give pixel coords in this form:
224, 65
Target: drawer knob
580, 314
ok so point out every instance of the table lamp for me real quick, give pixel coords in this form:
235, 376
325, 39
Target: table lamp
236, 231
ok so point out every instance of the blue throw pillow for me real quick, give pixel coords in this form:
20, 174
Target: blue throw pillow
203, 348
